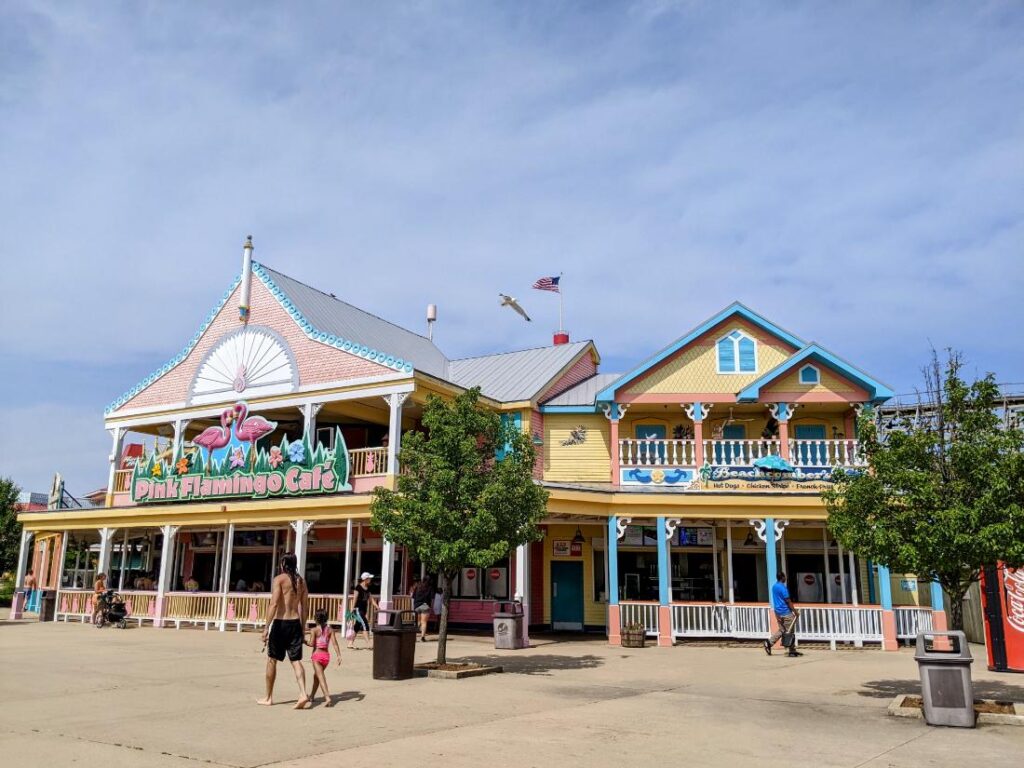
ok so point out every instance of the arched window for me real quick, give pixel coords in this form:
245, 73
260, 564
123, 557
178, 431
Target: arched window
810, 375
737, 353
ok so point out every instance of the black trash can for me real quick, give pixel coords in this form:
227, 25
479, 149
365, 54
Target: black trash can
47, 604
394, 646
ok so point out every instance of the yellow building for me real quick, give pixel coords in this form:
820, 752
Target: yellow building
678, 490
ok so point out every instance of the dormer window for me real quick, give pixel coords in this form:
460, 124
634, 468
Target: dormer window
809, 374
737, 353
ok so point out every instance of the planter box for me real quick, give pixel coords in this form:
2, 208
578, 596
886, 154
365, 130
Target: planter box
633, 638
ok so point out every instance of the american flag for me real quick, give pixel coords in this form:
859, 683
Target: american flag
548, 284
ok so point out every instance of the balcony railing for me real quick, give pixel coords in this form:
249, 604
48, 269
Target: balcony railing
366, 462
737, 453
825, 453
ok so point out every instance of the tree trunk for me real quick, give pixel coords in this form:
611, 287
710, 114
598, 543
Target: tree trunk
442, 624
956, 609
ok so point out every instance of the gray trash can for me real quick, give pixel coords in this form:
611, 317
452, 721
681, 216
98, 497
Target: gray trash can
508, 625
47, 604
946, 688
394, 646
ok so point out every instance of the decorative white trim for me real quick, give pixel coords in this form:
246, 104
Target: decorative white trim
620, 409
759, 526
395, 399
252, 361
817, 374
736, 350
620, 526
779, 525
774, 408
671, 523
689, 409
306, 526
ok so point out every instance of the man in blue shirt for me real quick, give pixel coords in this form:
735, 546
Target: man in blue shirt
785, 613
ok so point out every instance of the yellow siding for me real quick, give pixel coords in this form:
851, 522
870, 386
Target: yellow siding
830, 383
695, 367
588, 461
594, 613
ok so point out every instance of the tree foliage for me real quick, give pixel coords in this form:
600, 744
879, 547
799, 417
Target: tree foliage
944, 491
456, 504
10, 528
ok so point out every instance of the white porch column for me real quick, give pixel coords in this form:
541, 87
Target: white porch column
124, 562
394, 401
859, 642
229, 545
301, 528
273, 559
523, 587
828, 566
359, 553
179, 438
309, 412
346, 579
166, 554
18, 604
728, 555
714, 563
387, 570
782, 559
106, 542
218, 580
60, 567
842, 576
118, 434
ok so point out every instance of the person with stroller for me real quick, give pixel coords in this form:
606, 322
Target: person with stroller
99, 591
320, 638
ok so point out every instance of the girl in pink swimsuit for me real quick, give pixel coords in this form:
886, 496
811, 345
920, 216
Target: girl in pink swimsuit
321, 636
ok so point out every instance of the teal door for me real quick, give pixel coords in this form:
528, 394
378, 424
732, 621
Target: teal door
651, 453
813, 451
567, 596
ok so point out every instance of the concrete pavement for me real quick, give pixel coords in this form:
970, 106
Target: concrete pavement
74, 695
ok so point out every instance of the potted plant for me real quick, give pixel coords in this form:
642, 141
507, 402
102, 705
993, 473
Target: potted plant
633, 635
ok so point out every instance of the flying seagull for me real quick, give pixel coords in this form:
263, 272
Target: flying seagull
508, 301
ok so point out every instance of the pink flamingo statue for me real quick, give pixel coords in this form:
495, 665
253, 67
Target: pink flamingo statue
214, 438
251, 429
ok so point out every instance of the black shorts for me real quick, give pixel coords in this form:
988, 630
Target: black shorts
285, 637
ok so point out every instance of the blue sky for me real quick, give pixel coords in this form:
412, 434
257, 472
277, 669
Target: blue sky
855, 173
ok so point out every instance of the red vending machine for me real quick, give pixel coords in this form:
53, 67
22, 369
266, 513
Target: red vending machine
1002, 600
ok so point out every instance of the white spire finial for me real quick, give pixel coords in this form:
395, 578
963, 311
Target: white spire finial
243, 301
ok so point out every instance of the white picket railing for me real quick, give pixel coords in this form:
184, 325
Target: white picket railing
738, 453
912, 620
657, 453
825, 453
720, 620
839, 623
640, 613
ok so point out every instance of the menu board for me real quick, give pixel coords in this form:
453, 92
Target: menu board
695, 537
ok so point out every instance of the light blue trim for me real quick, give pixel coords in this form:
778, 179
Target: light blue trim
664, 570
877, 391
311, 332
769, 554
698, 411
884, 588
612, 549
736, 308
938, 602
568, 409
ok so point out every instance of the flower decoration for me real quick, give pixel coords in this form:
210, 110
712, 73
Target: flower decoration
296, 453
158, 469
276, 457
237, 458
182, 465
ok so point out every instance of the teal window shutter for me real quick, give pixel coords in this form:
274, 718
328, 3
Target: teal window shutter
726, 355
748, 360
809, 375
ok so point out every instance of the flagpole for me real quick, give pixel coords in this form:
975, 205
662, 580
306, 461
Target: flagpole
561, 323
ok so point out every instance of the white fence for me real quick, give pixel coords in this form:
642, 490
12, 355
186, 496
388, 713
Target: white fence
825, 453
738, 453
640, 613
911, 621
844, 624
720, 620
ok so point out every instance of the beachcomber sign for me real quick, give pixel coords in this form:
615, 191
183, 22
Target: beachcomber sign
227, 462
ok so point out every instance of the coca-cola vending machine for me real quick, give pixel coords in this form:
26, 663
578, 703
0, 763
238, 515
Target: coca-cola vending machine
809, 588
1002, 600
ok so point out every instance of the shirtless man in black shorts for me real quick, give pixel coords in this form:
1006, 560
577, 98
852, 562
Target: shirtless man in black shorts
285, 630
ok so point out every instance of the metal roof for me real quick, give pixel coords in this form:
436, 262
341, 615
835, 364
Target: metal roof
585, 392
514, 376
331, 315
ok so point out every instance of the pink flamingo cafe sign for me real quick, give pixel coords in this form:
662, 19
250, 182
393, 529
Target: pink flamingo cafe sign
227, 462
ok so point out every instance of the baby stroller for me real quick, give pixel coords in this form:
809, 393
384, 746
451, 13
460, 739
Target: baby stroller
112, 610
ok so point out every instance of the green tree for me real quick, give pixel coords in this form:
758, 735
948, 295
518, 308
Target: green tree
456, 504
944, 490
10, 528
